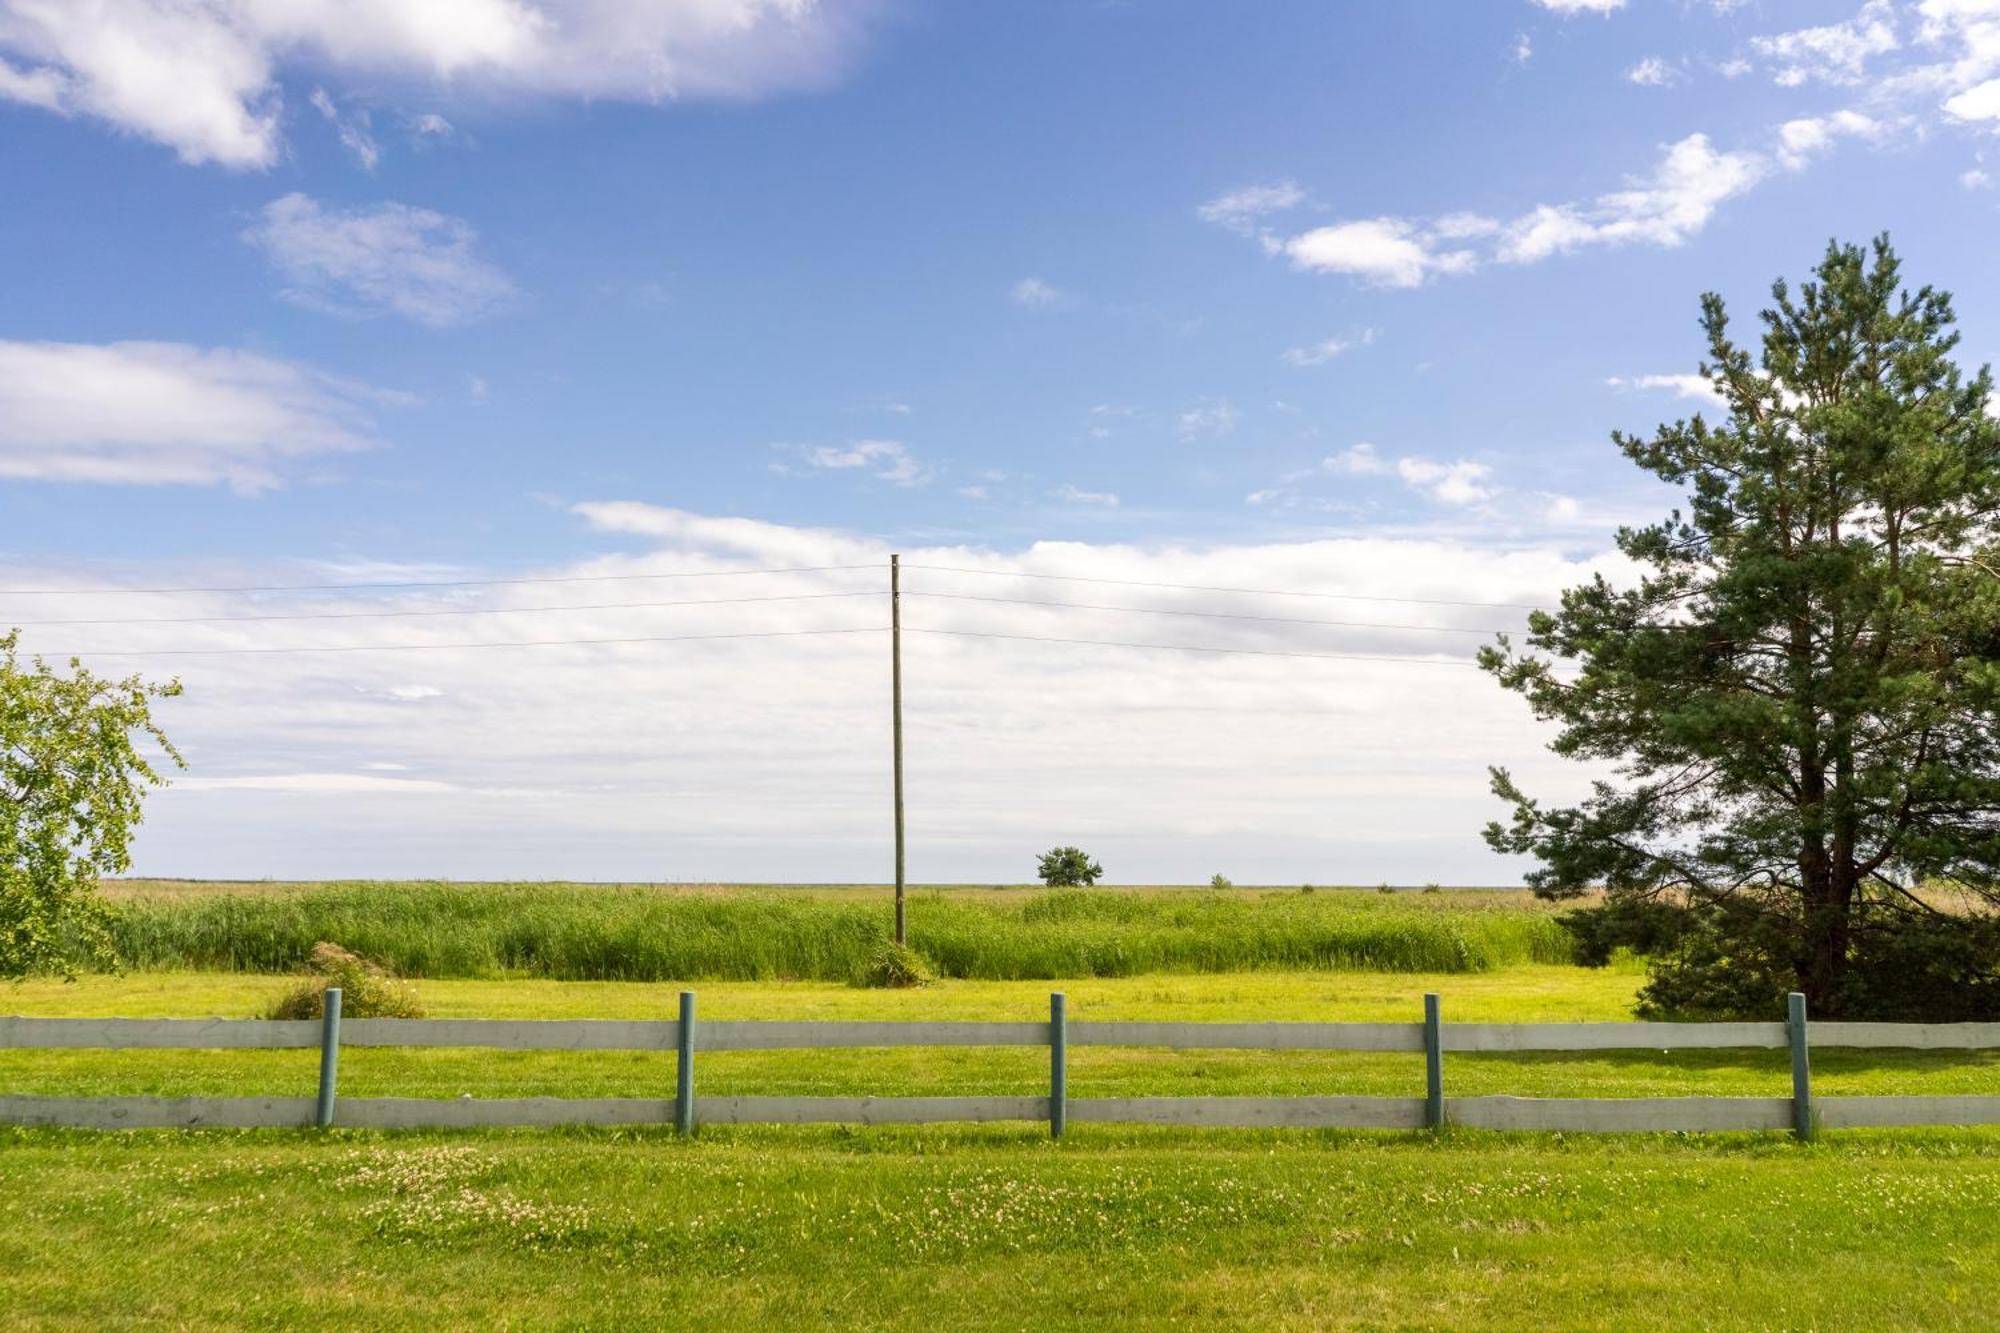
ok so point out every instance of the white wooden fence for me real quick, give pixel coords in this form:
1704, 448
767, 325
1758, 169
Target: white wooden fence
1801, 1112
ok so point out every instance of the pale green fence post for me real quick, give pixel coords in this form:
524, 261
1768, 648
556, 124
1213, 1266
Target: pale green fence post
684, 1068
1433, 1065
329, 1054
1795, 1028
1058, 1064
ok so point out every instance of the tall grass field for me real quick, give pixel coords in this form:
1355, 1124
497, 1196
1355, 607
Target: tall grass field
583, 933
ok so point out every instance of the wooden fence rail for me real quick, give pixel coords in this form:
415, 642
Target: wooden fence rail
1801, 1112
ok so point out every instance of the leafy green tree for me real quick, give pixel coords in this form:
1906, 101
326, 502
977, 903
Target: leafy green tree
1799, 700
1068, 868
72, 777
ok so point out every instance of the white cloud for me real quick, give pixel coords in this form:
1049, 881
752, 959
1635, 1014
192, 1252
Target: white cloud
203, 77
353, 129
1697, 388
1069, 494
1523, 49
1325, 350
664, 760
1980, 102
1361, 460
1665, 208
1384, 252
157, 413
1035, 294
1800, 141
389, 259
1582, 6
1975, 178
1834, 53
1243, 211
1207, 419
886, 460
1652, 72
1460, 483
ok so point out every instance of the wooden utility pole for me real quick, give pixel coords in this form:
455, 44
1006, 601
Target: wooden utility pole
896, 723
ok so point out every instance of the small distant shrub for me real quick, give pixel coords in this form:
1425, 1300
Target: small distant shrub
1385, 887
1220, 882
366, 989
1433, 888
1068, 868
1305, 888
896, 967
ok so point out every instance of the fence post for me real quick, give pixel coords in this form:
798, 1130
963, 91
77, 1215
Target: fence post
1058, 1064
1795, 1024
329, 1054
684, 1068
1433, 1065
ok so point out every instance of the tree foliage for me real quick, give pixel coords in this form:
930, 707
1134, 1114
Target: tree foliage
1068, 868
1798, 697
73, 775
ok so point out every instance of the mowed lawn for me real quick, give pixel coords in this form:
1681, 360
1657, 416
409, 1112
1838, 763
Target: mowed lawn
989, 1226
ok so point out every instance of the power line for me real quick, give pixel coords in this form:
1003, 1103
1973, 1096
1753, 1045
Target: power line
1196, 648
450, 611
413, 647
441, 583
1208, 615
1253, 592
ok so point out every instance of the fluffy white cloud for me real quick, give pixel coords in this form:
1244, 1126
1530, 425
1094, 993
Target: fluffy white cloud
1460, 483
389, 259
886, 460
1652, 72
1385, 252
1582, 6
1360, 460
1665, 208
1834, 52
202, 76
152, 413
1800, 141
355, 129
1698, 388
664, 760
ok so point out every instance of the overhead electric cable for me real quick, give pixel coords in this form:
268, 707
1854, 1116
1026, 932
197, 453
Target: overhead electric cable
451, 611
434, 583
1197, 648
412, 647
1253, 592
1207, 615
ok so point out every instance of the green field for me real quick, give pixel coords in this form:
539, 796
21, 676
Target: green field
988, 1227
660, 933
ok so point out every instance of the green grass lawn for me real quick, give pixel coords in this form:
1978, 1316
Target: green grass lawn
993, 1226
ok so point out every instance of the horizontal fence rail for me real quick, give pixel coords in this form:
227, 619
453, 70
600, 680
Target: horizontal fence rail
685, 1036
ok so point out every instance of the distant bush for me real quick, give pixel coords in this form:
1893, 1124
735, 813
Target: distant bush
1220, 882
366, 990
1068, 868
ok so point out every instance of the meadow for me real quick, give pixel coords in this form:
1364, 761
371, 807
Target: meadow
955, 1226
654, 933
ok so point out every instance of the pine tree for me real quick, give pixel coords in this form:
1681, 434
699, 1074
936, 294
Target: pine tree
1798, 698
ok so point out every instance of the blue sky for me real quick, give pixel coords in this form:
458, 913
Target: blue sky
1334, 297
